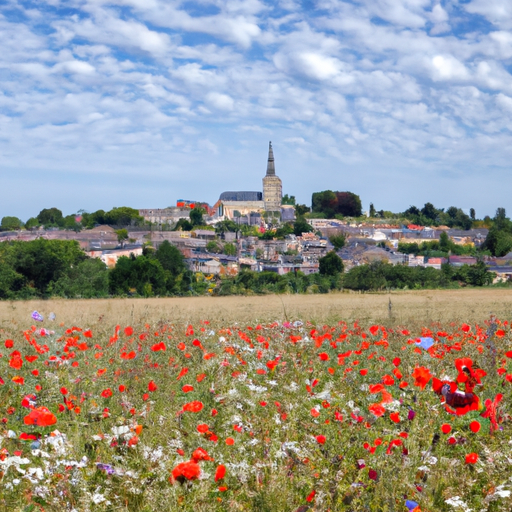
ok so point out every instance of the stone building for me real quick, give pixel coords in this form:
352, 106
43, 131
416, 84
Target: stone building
272, 185
238, 205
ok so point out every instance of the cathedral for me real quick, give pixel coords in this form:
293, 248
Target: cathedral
244, 203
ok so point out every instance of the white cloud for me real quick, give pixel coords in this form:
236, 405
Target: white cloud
220, 101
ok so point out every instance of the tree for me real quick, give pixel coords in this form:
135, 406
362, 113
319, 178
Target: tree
214, 247
196, 216
288, 200
183, 225
171, 258
330, 265
32, 223
331, 203
230, 249
372, 210
338, 241
10, 224
122, 235
472, 213
429, 211
50, 217
301, 225
121, 216
301, 209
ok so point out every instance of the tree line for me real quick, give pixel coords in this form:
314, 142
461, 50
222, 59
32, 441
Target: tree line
59, 268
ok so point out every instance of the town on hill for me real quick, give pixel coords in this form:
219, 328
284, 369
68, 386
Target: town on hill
252, 241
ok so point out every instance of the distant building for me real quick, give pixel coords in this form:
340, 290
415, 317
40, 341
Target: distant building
239, 205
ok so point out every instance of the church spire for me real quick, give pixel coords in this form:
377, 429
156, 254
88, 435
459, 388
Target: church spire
271, 170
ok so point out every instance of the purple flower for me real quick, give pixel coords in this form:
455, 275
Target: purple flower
37, 316
411, 414
372, 474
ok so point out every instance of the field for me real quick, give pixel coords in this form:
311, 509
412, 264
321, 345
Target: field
385, 402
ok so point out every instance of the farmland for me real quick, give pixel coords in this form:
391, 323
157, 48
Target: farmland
325, 402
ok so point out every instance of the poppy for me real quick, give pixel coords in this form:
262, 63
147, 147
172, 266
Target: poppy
320, 439
189, 470
194, 406
40, 417
200, 454
152, 386
471, 458
421, 376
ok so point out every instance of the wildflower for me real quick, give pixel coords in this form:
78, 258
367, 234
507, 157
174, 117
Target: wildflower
475, 426
220, 472
194, 406
152, 386
230, 441
40, 417
471, 458
320, 439
421, 376
446, 428
186, 471
200, 454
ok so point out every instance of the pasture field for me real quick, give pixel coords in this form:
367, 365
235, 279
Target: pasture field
340, 402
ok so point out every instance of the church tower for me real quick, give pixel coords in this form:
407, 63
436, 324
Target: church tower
272, 185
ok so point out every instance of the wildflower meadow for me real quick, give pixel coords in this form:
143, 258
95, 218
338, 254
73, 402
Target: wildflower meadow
278, 416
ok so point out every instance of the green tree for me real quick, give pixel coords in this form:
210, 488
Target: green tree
472, 213
301, 210
230, 249
171, 258
183, 225
32, 223
10, 224
50, 217
338, 241
213, 246
372, 210
87, 280
331, 264
290, 200
301, 225
122, 235
120, 216
196, 216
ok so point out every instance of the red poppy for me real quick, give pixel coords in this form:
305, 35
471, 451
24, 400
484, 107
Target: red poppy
40, 417
106, 393
475, 426
128, 331
421, 376
230, 441
395, 417
200, 454
202, 428
220, 473
320, 439
446, 428
189, 470
152, 386
194, 406
471, 458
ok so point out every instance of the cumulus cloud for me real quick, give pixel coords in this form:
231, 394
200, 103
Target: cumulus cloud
401, 88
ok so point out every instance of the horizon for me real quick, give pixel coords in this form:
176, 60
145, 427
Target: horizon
141, 102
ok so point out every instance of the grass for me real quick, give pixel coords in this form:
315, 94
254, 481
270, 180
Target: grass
271, 386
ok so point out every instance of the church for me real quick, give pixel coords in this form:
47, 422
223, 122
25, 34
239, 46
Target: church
248, 205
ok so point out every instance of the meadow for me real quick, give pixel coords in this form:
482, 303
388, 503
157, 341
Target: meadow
377, 402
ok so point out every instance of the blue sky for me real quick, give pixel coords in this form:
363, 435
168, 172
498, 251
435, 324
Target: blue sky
141, 102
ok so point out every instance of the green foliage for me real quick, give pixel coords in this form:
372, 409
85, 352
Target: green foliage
301, 209
196, 216
183, 225
381, 276
330, 265
300, 226
372, 210
330, 203
87, 280
338, 241
10, 224
229, 249
50, 217
170, 258
437, 248
122, 235
31, 223
30, 267
290, 200
213, 246
225, 226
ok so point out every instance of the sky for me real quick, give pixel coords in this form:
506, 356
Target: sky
142, 102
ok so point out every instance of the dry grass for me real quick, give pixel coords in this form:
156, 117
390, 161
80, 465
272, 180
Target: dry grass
406, 307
